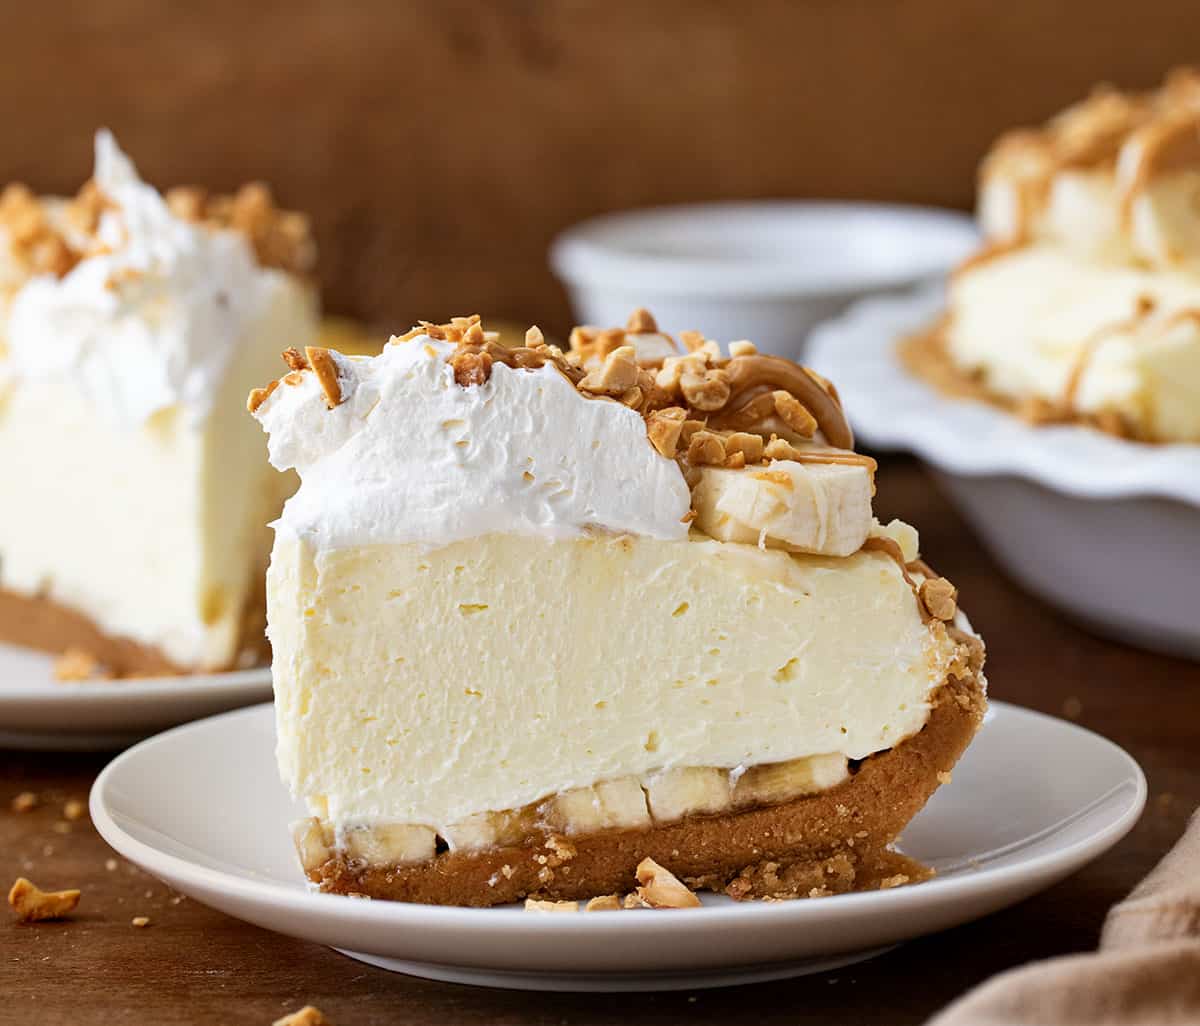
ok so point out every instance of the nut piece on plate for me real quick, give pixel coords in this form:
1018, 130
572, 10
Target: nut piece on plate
660, 888
309, 1015
533, 905
604, 903
26, 801
33, 904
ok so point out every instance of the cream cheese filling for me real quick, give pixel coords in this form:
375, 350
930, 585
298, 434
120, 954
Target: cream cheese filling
426, 687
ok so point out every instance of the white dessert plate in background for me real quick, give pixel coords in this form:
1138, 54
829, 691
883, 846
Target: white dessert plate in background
39, 712
767, 270
1034, 798
1103, 528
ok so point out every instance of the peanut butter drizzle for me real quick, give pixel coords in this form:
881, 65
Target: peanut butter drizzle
1161, 127
1162, 146
753, 372
877, 543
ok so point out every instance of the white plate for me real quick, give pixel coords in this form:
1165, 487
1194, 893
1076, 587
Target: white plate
767, 270
1033, 799
1103, 528
37, 711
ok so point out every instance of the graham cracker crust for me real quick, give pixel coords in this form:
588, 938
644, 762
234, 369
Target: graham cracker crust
829, 842
41, 623
925, 355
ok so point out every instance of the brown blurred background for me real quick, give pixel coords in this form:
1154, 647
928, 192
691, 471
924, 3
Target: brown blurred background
440, 146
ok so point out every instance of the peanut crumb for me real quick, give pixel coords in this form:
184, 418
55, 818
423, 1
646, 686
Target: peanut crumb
140, 921
794, 413
708, 391
323, 366
899, 880
1072, 707
617, 375
534, 905
641, 322
534, 337
110, 865
33, 904
26, 801
742, 347
749, 445
309, 1015
258, 396
75, 664
295, 359
664, 427
604, 903
779, 449
943, 777
940, 598
660, 888
74, 809
705, 447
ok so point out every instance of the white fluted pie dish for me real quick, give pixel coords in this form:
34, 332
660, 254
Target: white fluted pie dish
1105, 529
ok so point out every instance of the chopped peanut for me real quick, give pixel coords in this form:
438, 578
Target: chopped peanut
33, 905
660, 888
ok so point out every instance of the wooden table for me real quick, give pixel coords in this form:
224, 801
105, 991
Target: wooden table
193, 965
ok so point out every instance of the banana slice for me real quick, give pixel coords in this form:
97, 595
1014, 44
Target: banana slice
781, 781
676, 793
610, 805
490, 829
804, 507
388, 843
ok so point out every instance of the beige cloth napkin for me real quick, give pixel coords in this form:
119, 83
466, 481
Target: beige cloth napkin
1146, 973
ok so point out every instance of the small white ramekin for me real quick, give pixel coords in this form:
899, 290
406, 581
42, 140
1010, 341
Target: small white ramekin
768, 271
1104, 529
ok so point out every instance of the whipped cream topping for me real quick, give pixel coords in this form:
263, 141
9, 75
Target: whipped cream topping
409, 455
152, 316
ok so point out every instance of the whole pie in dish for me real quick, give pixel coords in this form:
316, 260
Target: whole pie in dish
539, 616
1084, 304
135, 497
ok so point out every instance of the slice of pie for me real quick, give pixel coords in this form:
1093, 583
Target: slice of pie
539, 616
1084, 306
135, 493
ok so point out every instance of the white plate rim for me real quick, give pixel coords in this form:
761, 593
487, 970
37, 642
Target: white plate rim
890, 409
292, 898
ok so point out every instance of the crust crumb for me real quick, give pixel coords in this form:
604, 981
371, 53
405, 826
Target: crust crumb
660, 888
34, 905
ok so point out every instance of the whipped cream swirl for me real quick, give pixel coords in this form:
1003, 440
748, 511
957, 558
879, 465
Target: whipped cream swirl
409, 455
151, 318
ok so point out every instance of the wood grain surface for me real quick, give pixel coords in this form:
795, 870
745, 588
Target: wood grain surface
440, 145
192, 965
